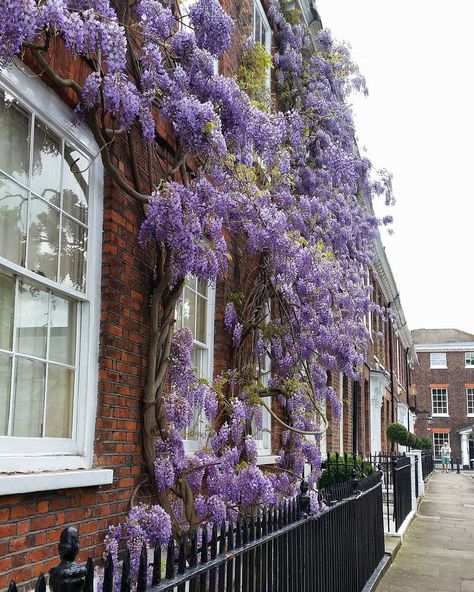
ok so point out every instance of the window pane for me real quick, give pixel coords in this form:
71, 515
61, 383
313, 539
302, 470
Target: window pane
438, 359
29, 398
7, 306
43, 240
75, 183
62, 345
200, 362
191, 282
32, 331
13, 215
201, 321
59, 402
14, 139
73, 254
257, 26
46, 173
5, 382
202, 287
189, 310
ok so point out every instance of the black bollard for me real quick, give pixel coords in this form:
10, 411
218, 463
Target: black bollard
458, 470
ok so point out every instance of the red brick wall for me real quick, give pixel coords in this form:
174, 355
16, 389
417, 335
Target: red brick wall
457, 378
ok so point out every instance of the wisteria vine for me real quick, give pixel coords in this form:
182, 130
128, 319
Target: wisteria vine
285, 183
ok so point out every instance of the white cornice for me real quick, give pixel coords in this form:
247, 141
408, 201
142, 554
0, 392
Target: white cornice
434, 347
389, 289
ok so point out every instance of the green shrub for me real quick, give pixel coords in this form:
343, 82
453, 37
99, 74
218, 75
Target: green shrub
340, 472
426, 443
397, 433
412, 440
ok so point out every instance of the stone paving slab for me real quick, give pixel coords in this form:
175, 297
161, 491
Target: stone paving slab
437, 554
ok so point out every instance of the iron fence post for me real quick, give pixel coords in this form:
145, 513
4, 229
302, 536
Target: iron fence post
68, 576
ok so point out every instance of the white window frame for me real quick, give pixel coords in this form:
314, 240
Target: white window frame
26, 455
470, 395
194, 445
469, 359
264, 437
444, 440
434, 413
437, 364
258, 10
341, 421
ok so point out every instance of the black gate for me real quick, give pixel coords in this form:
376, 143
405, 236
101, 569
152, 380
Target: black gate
401, 489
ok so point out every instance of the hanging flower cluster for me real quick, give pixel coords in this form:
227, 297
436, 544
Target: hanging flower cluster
289, 183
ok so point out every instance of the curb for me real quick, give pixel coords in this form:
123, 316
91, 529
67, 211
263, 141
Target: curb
384, 564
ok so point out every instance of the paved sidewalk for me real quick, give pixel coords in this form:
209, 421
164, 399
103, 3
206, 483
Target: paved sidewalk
437, 554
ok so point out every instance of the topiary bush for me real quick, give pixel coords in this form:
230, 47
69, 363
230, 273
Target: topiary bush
397, 433
412, 440
426, 443
339, 471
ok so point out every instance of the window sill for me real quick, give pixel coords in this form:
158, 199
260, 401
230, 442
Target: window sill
438, 367
470, 415
267, 459
440, 415
48, 481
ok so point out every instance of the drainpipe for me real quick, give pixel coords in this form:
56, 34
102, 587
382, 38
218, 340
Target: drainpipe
392, 384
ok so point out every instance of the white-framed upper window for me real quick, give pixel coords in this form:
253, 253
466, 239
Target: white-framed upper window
438, 360
470, 401
469, 359
439, 399
50, 255
196, 312
262, 33
439, 438
263, 436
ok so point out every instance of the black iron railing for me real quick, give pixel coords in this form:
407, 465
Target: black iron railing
402, 493
417, 476
396, 488
427, 464
280, 550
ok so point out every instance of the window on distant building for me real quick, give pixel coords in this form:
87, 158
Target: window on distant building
262, 32
469, 359
50, 229
470, 401
196, 312
438, 440
438, 360
439, 398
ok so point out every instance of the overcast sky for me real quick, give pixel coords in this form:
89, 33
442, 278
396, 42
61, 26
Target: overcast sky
418, 122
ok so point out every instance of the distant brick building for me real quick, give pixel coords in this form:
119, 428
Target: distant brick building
445, 390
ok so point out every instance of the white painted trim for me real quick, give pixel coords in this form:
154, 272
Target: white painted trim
446, 392
264, 438
192, 446
469, 392
28, 483
257, 7
268, 459
48, 454
433, 347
